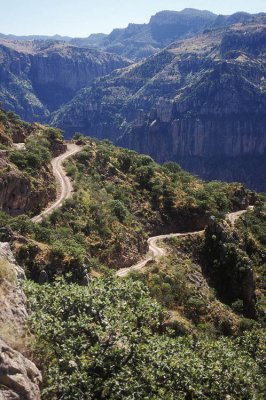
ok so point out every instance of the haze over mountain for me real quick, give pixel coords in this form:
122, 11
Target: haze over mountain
200, 102
138, 41
121, 277
37, 77
213, 84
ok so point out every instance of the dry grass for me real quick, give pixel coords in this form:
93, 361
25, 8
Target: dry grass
6, 272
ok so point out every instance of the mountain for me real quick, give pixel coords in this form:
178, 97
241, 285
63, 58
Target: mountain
37, 77
28, 38
138, 41
94, 40
200, 102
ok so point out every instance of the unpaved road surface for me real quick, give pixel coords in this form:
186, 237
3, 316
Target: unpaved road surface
65, 191
155, 251
63, 182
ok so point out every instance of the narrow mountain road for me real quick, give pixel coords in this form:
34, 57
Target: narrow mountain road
63, 182
155, 251
65, 189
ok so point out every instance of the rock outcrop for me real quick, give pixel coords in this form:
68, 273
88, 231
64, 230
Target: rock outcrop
201, 102
18, 196
19, 377
13, 312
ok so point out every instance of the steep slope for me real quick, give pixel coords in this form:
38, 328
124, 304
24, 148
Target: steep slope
26, 177
120, 199
19, 378
200, 102
37, 77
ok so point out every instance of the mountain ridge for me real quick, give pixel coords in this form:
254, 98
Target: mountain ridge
137, 41
201, 97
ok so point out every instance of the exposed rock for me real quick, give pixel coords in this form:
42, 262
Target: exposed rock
19, 377
201, 102
13, 312
58, 148
17, 195
37, 77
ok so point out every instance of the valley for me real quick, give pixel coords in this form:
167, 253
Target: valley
133, 209
195, 97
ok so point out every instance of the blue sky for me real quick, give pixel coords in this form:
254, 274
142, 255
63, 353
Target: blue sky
82, 17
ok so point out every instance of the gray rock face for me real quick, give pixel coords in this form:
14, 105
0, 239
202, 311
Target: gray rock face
13, 311
19, 377
16, 193
38, 77
201, 102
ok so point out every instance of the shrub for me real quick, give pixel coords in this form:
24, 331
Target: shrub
106, 341
32, 158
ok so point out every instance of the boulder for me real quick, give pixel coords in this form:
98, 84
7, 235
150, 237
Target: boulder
19, 377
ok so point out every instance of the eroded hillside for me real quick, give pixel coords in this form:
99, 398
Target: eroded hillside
37, 77
198, 309
26, 179
200, 102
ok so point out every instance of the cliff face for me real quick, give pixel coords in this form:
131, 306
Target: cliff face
19, 377
26, 183
17, 193
38, 77
200, 102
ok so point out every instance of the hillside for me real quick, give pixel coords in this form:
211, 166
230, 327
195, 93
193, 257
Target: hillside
200, 102
120, 198
86, 322
124, 274
37, 77
26, 178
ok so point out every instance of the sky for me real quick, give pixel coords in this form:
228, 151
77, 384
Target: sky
79, 18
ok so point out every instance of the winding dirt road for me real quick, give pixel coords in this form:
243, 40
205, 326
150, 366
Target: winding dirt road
65, 191
155, 251
63, 182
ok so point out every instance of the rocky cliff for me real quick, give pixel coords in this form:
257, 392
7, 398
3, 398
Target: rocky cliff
200, 102
19, 194
19, 377
26, 178
39, 76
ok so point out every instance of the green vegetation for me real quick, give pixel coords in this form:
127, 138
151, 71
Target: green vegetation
120, 199
35, 155
253, 230
107, 340
164, 333
37, 152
